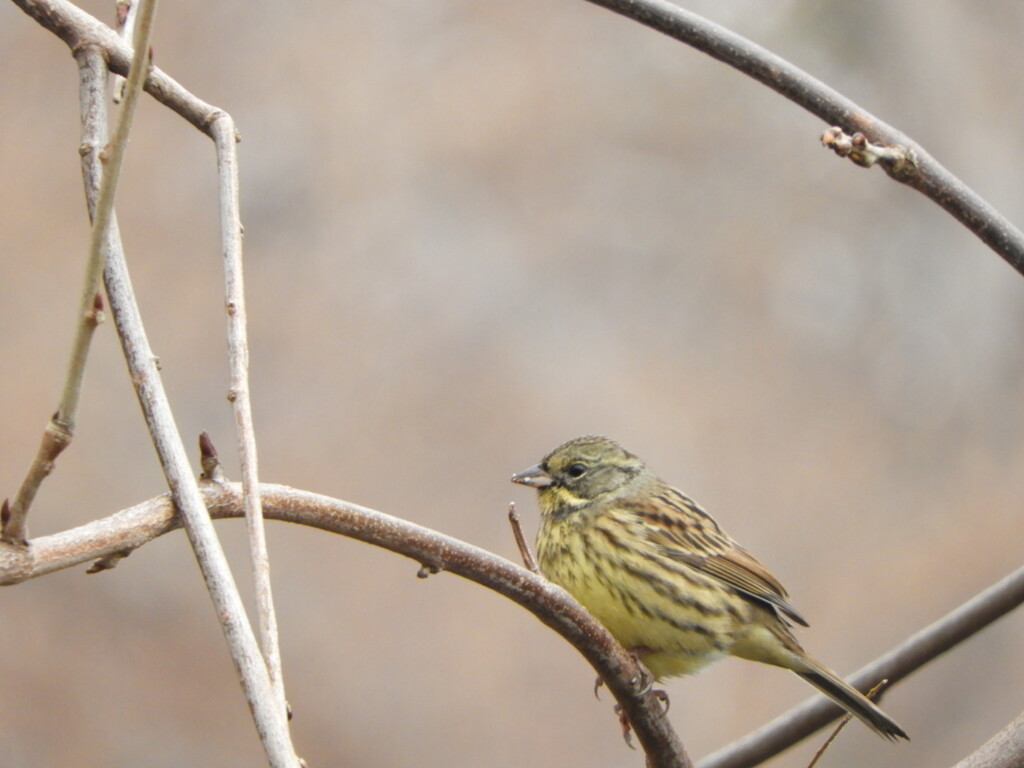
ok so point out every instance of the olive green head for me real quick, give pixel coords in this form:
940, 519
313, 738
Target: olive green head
581, 472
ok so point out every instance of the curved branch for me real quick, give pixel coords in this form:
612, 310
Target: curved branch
121, 533
118, 535
921, 171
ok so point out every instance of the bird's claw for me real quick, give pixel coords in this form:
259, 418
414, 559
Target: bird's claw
627, 729
662, 697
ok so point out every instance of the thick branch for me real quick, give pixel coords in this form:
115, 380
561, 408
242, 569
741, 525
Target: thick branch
129, 529
125, 531
1004, 750
922, 172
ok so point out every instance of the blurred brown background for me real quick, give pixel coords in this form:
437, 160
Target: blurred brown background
476, 229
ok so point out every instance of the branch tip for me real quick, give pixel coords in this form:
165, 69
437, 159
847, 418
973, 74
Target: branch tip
524, 547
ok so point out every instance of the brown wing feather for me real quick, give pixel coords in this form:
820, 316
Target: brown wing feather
690, 535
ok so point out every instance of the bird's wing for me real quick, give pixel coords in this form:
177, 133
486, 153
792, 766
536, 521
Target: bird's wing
692, 536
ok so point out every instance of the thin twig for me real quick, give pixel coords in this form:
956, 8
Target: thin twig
58, 433
225, 138
131, 528
922, 172
524, 548
909, 656
127, 13
843, 722
14, 528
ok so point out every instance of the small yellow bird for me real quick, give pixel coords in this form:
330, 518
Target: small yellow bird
661, 575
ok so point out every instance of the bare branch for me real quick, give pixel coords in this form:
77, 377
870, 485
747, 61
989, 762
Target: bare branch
127, 14
226, 138
79, 29
56, 438
524, 547
1004, 750
270, 718
923, 172
932, 641
131, 528
57, 435
101, 208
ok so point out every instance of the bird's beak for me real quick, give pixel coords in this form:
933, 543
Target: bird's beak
535, 477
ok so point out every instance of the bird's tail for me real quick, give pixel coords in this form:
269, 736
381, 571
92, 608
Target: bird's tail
854, 702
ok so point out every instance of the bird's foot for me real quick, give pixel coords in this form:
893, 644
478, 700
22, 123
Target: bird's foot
644, 681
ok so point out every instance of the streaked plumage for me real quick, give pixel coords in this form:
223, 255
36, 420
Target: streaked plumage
662, 575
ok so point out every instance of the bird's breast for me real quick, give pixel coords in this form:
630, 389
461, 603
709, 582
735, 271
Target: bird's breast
677, 618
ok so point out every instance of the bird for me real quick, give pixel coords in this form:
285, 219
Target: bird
663, 577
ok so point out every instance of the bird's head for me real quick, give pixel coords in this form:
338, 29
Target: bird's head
581, 472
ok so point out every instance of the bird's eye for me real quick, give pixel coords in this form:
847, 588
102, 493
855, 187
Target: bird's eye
576, 470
